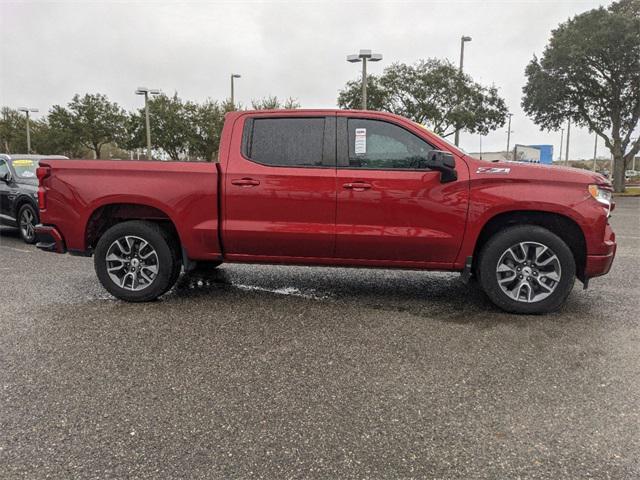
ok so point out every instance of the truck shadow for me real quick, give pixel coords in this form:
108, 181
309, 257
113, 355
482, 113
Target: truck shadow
9, 232
424, 294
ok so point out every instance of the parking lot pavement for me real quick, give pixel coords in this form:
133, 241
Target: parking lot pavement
281, 372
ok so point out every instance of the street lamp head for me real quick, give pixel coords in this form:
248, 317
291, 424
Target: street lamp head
236, 75
27, 109
149, 91
364, 55
466, 38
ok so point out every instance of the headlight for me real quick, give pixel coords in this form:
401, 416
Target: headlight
602, 195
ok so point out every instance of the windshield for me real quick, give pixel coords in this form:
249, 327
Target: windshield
459, 150
25, 168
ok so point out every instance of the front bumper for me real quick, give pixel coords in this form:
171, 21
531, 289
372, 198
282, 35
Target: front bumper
49, 239
597, 265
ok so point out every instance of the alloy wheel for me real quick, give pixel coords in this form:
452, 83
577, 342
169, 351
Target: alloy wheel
28, 224
528, 272
132, 263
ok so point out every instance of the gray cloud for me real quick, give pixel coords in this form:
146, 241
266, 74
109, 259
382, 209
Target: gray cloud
51, 50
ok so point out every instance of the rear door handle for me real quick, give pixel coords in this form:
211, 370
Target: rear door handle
358, 186
245, 182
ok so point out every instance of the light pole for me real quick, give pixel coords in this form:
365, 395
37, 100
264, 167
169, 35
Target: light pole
595, 153
363, 56
27, 111
233, 75
146, 92
509, 135
463, 40
566, 157
561, 143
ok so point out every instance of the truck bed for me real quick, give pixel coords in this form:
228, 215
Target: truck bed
78, 192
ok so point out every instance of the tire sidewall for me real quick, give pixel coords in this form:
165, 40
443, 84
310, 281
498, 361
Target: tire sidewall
497, 245
157, 239
27, 206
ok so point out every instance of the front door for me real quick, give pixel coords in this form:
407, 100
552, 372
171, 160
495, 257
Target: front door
6, 215
390, 207
280, 190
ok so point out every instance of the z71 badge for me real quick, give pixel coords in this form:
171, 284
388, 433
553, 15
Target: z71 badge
493, 170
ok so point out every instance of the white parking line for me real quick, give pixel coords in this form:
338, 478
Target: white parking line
16, 249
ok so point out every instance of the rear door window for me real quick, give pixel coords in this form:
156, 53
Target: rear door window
285, 142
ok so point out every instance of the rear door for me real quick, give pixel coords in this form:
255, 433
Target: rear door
390, 207
280, 187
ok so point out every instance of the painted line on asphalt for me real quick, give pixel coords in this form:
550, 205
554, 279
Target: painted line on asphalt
16, 249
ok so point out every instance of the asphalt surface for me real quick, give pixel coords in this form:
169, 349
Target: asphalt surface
283, 372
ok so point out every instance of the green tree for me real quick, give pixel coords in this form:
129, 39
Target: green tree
91, 120
273, 103
13, 135
431, 92
207, 120
55, 136
589, 73
351, 95
170, 121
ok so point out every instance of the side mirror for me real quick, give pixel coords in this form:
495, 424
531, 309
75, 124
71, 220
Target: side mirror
6, 178
444, 163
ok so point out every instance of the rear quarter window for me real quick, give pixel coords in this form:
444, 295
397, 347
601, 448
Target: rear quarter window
286, 142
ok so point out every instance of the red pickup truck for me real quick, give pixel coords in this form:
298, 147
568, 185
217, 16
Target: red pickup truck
334, 188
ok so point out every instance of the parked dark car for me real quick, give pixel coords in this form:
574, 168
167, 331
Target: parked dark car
19, 192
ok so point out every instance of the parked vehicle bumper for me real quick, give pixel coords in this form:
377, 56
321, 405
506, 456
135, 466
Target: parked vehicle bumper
49, 239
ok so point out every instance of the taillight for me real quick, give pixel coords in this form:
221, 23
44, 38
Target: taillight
42, 172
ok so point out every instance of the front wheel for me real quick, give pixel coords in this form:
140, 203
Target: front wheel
136, 261
527, 269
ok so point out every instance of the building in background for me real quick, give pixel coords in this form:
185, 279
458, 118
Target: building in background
546, 153
521, 153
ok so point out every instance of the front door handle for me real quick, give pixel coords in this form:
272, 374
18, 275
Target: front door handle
245, 182
357, 186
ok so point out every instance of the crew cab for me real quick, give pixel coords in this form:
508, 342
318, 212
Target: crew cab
333, 188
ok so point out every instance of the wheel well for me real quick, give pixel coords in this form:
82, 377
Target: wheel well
107, 216
564, 227
24, 201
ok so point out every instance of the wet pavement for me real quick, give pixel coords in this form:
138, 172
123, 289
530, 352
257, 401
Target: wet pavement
296, 372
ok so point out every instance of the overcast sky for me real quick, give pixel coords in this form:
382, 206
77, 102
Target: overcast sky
52, 50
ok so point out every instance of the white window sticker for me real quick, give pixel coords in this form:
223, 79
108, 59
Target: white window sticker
361, 141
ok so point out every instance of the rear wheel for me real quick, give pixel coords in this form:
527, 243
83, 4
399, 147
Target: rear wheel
136, 261
527, 269
27, 220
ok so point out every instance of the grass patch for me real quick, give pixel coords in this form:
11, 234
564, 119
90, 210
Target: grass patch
629, 192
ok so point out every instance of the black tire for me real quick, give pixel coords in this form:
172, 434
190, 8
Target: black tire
168, 264
27, 220
497, 246
177, 269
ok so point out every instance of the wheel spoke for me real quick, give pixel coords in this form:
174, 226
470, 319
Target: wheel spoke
503, 267
551, 276
546, 262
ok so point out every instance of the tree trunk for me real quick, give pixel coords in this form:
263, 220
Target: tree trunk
618, 173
